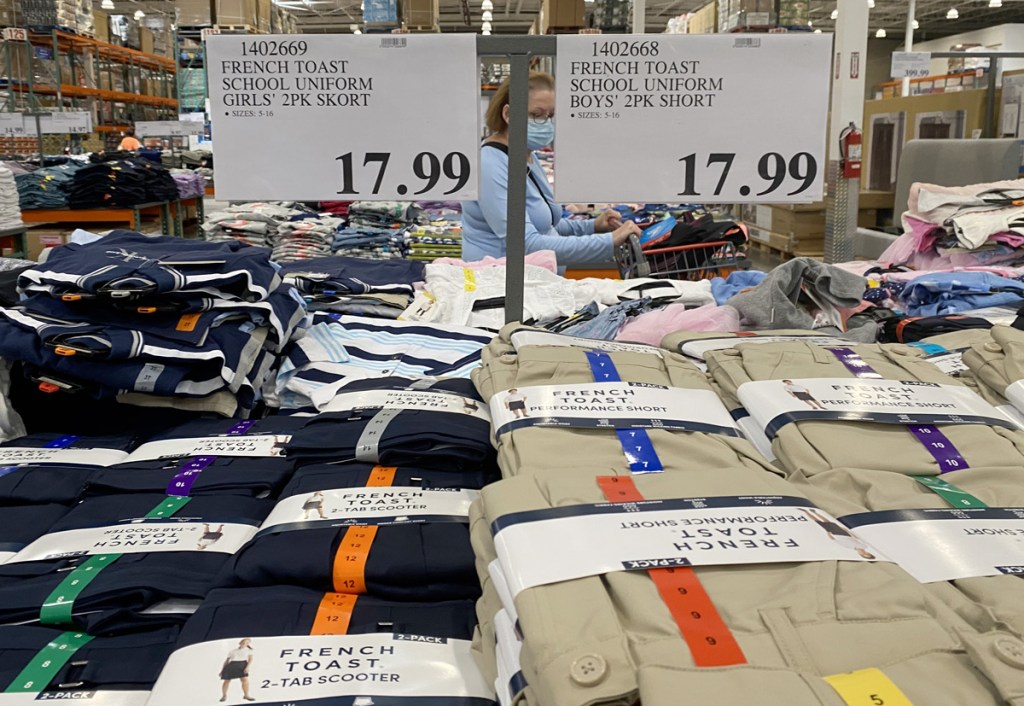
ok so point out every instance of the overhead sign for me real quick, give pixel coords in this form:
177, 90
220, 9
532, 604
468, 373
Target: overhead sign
71, 122
168, 128
345, 117
701, 118
911, 64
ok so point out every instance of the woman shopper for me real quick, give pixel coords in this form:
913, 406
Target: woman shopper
484, 222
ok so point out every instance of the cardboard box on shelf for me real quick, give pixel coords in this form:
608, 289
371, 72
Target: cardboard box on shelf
795, 221
192, 13
420, 13
38, 239
703, 20
237, 12
563, 14
264, 10
145, 40
101, 25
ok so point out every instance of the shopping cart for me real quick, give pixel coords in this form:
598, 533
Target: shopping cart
689, 262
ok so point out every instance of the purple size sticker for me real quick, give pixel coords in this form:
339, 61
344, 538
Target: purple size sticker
181, 483
63, 442
933, 440
242, 427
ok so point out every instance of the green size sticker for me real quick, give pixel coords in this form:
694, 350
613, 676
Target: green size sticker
58, 608
41, 670
949, 492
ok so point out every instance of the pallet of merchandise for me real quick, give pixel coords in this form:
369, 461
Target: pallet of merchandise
238, 29
784, 245
799, 221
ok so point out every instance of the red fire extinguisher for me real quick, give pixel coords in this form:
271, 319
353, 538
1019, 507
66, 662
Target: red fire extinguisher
851, 147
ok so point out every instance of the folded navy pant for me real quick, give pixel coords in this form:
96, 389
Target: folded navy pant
287, 610
325, 476
416, 557
225, 475
22, 524
126, 662
113, 600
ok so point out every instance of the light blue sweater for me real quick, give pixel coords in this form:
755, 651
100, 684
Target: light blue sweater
484, 222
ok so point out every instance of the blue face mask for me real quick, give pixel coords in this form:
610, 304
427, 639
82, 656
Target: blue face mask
540, 135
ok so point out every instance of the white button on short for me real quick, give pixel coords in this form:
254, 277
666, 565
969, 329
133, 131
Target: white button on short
1011, 651
589, 670
993, 347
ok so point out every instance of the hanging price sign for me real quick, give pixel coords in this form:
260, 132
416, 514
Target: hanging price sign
358, 117
701, 118
911, 64
168, 128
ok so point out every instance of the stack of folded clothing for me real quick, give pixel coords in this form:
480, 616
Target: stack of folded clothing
715, 578
382, 214
197, 159
250, 223
10, 213
961, 226
430, 242
154, 321
370, 242
190, 185
304, 238
352, 285
46, 188
345, 348
121, 183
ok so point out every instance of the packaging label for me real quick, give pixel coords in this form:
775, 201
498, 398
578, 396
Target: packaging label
521, 339
698, 349
369, 506
590, 540
427, 401
775, 403
950, 363
947, 544
611, 405
139, 537
756, 436
1013, 414
92, 697
5, 556
257, 446
20, 455
378, 669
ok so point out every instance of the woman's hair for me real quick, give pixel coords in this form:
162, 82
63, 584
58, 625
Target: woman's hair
494, 118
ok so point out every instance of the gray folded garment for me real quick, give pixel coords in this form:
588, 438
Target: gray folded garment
775, 303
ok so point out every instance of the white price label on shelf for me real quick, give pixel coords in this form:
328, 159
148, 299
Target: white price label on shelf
12, 125
911, 64
707, 118
168, 128
72, 122
209, 32
359, 117
15, 34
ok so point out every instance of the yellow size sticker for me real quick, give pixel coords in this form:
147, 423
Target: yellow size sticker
470, 279
867, 687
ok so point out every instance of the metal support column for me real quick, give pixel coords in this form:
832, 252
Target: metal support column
990, 127
639, 16
851, 44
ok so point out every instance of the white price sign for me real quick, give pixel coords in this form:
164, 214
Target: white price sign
12, 124
911, 64
367, 108
168, 128
709, 118
74, 122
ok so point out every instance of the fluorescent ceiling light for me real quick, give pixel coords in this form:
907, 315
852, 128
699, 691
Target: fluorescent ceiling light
487, 5
835, 14
871, 4
880, 34
487, 16
995, 3
107, 4
952, 14
916, 25
139, 14
486, 26
486, 32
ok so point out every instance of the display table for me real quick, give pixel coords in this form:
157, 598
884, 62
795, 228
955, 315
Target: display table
177, 214
131, 216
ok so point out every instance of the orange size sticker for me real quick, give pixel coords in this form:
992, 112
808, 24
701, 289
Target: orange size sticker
187, 322
334, 614
711, 642
350, 560
381, 477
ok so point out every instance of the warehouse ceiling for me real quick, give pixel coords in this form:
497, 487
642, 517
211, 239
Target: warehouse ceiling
516, 16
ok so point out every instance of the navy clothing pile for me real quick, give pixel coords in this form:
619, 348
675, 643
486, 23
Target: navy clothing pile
154, 321
46, 188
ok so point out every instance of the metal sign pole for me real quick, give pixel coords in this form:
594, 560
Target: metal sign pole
519, 50
39, 134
